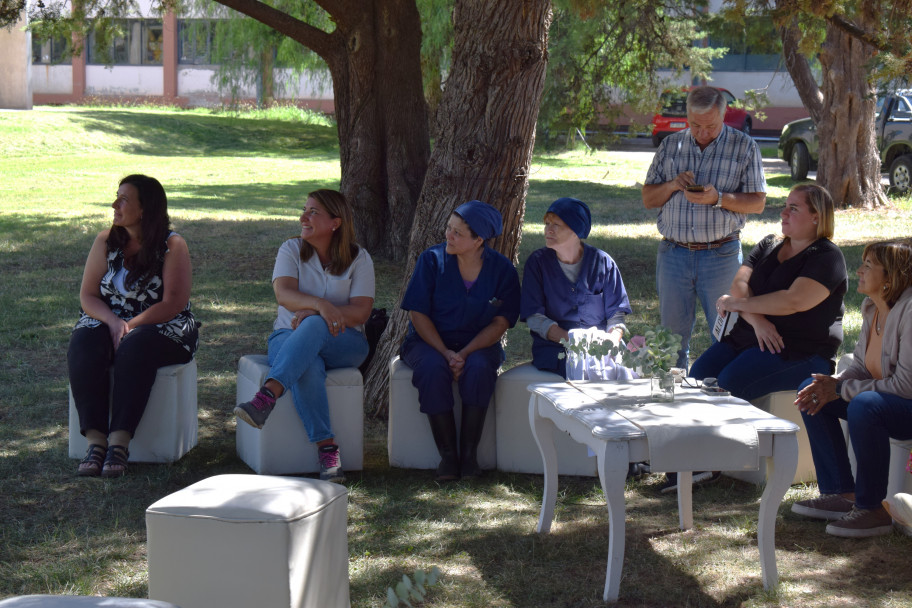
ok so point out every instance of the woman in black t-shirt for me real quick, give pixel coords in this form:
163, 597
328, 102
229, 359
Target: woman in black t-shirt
789, 296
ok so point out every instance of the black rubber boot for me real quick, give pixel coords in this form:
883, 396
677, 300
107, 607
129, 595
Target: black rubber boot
443, 427
472, 424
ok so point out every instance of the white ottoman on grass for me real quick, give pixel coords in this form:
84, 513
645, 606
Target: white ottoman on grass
410, 444
169, 426
782, 405
281, 447
249, 541
517, 451
80, 601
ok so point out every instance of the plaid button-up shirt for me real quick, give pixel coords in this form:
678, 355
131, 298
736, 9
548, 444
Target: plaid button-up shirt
731, 163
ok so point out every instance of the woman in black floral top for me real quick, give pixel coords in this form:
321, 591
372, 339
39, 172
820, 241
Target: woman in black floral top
136, 317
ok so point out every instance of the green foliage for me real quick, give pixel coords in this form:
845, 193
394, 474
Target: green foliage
246, 52
605, 55
654, 352
406, 591
436, 45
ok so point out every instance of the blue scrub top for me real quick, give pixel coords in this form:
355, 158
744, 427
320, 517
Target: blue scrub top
595, 297
436, 289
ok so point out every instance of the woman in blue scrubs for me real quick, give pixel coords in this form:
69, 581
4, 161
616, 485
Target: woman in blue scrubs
569, 285
461, 299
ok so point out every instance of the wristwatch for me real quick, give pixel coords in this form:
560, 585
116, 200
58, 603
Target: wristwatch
719, 200
839, 388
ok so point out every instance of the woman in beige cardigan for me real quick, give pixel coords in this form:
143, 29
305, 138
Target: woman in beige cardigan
874, 395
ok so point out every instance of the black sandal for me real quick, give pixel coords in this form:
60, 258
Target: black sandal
92, 463
115, 463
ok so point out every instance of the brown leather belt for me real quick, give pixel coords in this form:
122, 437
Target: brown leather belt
705, 246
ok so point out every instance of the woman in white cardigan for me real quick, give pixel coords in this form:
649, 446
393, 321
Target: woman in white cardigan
874, 395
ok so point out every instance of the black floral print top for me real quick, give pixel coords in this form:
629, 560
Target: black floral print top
126, 303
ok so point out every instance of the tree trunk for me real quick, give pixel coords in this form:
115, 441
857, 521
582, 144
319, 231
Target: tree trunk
381, 114
373, 57
800, 70
486, 133
849, 164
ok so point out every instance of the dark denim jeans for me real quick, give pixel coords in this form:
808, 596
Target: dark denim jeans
753, 373
873, 419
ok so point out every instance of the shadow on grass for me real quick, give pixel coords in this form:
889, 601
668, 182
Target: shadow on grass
191, 134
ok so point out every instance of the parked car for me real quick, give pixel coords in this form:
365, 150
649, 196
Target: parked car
673, 116
798, 144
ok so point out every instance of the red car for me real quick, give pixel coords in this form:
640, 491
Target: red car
673, 116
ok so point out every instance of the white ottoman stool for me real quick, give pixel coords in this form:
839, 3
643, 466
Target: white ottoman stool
169, 426
281, 447
782, 405
410, 444
517, 451
80, 601
239, 541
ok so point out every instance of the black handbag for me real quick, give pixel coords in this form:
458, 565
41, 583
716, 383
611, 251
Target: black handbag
373, 329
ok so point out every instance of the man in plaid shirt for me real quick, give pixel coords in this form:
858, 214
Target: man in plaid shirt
704, 181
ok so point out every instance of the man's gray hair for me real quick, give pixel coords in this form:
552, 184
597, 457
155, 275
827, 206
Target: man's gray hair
703, 99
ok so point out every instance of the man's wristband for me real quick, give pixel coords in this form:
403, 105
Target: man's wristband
839, 388
719, 200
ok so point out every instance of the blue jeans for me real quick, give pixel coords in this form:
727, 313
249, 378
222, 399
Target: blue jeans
299, 359
753, 373
683, 276
873, 419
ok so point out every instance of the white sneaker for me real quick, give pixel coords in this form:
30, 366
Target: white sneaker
899, 506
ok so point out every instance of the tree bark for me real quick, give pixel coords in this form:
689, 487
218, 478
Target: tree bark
849, 163
373, 57
486, 133
800, 70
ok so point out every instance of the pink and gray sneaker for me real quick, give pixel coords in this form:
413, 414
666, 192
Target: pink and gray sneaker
256, 411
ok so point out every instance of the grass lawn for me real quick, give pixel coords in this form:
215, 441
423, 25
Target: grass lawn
236, 185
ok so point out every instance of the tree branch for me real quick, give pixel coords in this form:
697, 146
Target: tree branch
856, 31
800, 70
313, 38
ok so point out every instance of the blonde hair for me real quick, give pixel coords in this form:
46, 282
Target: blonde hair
820, 202
896, 259
342, 248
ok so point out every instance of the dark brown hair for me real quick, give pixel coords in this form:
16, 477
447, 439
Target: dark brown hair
154, 225
342, 248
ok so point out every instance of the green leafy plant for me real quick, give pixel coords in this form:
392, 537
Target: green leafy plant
651, 354
654, 353
407, 591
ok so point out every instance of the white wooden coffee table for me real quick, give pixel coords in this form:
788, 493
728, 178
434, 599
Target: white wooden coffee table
616, 441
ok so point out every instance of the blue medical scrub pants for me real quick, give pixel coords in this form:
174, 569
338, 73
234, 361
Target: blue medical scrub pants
873, 419
684, 276
299, 359
432, 377
753, 373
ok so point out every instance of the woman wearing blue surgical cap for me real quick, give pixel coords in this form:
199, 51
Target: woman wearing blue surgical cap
568, 285
461, 299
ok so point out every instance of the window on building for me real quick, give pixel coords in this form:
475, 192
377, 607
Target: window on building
139, 43
196, 41
49, 52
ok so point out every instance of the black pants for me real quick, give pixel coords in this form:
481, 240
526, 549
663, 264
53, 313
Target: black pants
93, 363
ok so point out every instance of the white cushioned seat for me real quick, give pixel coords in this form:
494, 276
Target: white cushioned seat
239, 541
517, 451
782, 405
282, 447
169, 426
410, 444
80, 601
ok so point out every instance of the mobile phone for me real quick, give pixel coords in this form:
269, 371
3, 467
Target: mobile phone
696, 188
715, 390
